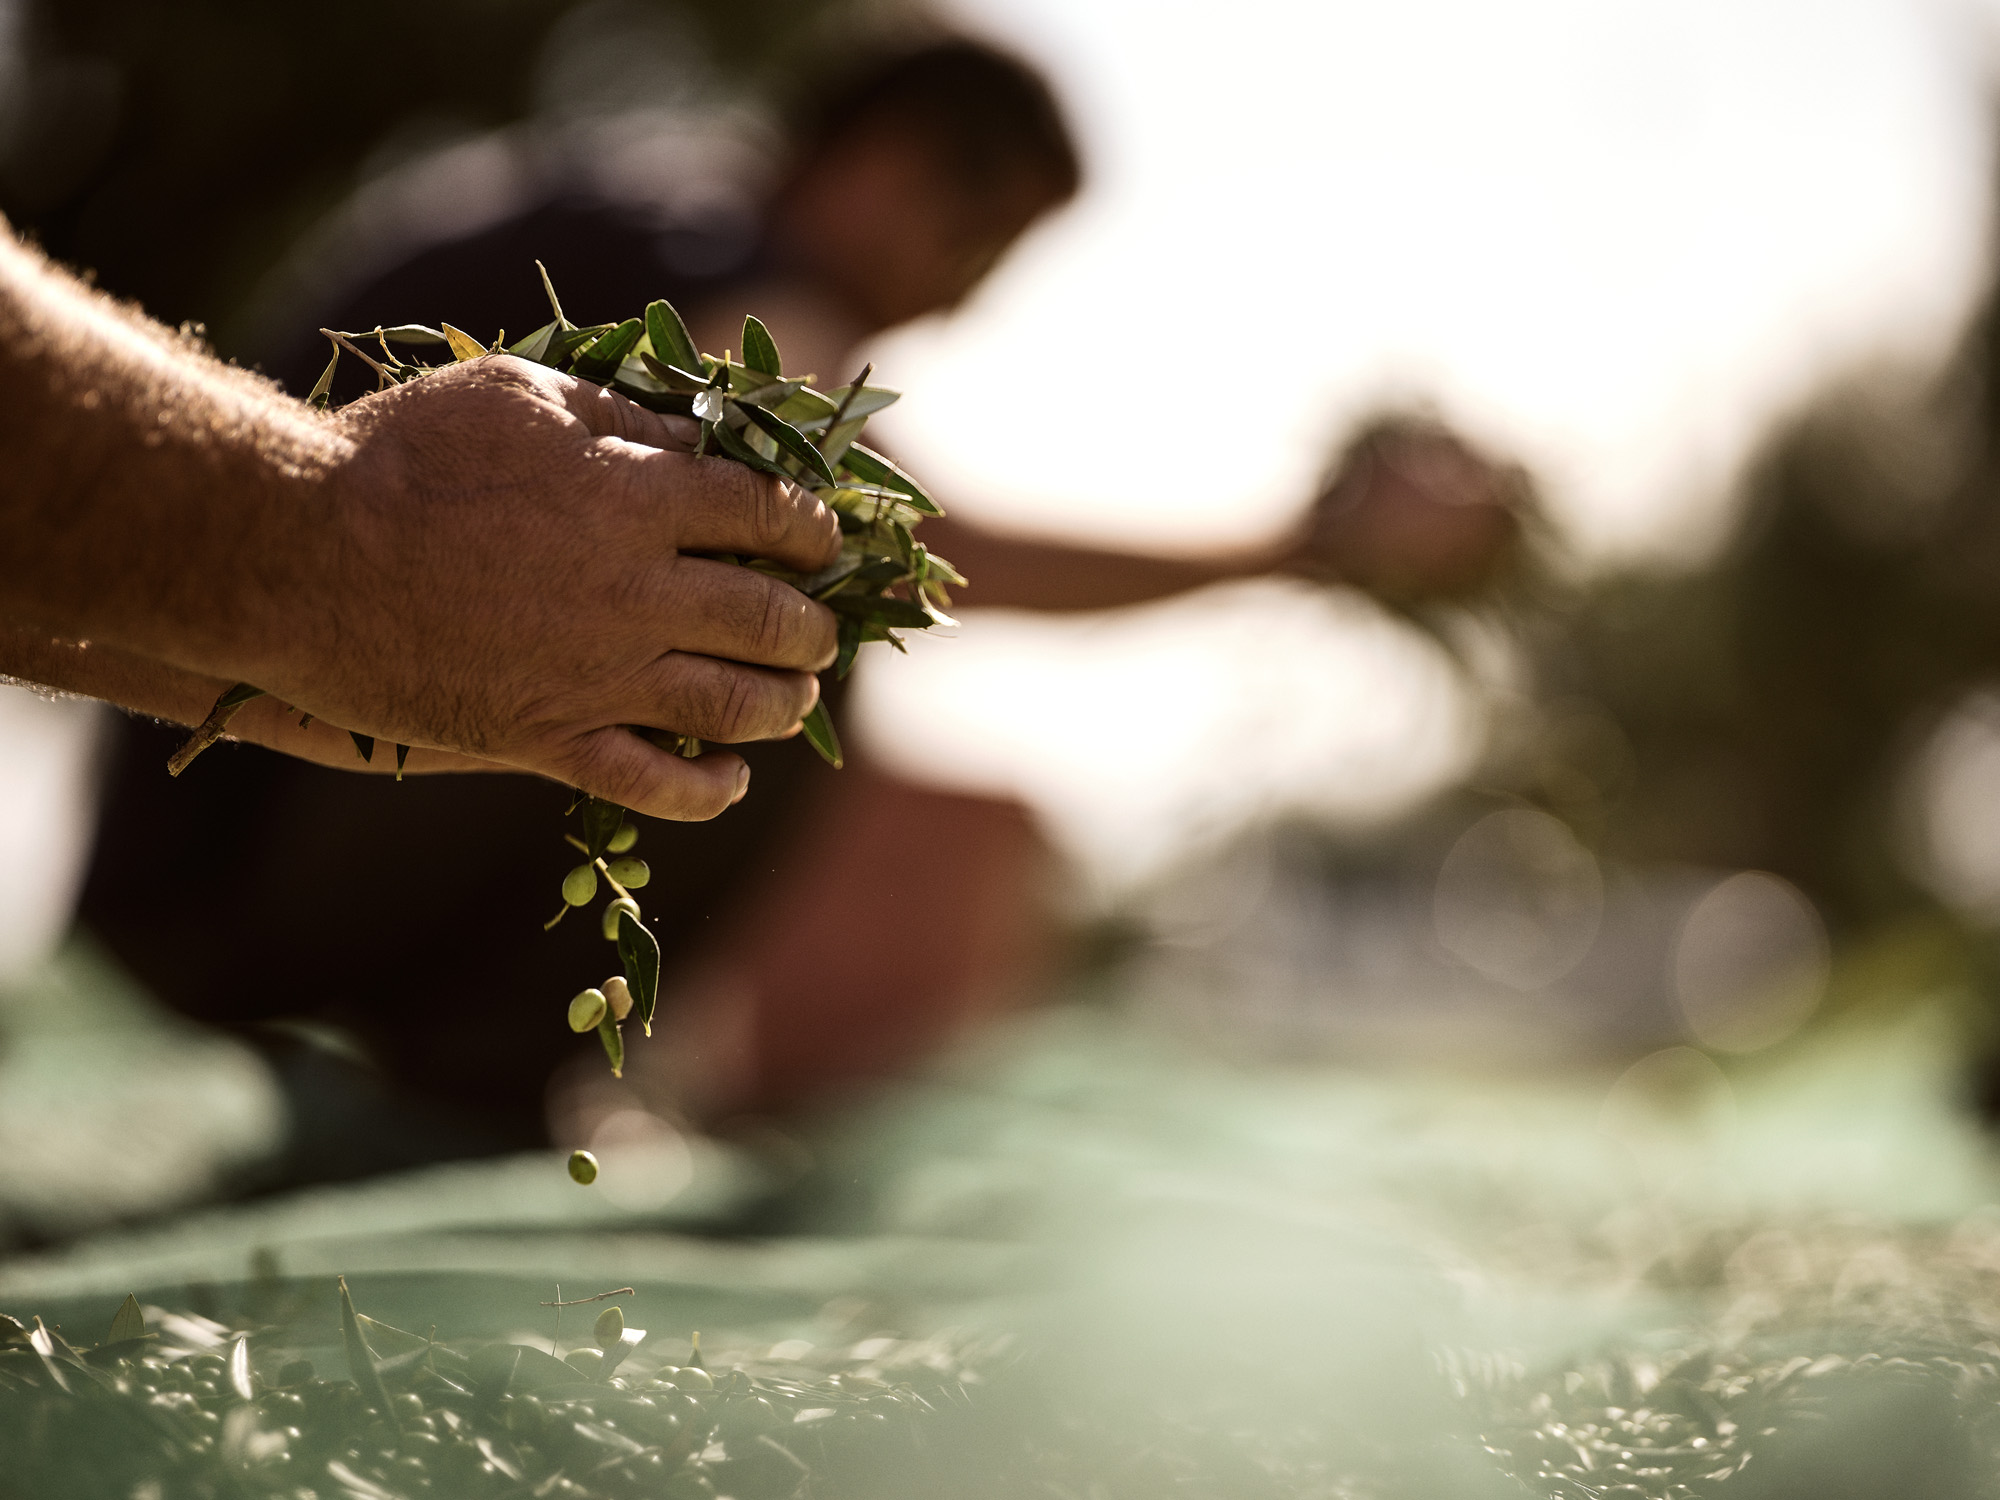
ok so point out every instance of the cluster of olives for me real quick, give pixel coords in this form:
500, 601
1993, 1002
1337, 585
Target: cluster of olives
607, 860
625, 875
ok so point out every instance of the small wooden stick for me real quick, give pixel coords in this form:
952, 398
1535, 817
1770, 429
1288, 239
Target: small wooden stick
617, 1291
210, 730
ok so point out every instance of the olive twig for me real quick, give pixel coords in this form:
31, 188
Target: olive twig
598, 860
618, 1291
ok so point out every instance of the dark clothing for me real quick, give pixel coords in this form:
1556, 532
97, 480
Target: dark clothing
606, 261
259, 888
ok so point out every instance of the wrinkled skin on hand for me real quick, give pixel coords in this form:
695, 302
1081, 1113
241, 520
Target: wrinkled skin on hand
506, 567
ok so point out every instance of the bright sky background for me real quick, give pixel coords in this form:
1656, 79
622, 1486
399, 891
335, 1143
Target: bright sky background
1613, 239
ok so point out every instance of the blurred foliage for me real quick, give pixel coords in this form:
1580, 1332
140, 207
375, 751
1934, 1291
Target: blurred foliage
177, 151
1763, 711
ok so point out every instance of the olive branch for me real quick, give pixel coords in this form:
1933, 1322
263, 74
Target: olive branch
749, 410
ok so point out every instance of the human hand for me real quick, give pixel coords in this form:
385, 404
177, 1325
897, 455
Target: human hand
499, 562
1413, 513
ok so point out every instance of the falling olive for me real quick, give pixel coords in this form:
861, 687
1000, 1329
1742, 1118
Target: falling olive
632, 873
610, 1327
580, 885
623, 903
618, 994
582, 1168
587, 1010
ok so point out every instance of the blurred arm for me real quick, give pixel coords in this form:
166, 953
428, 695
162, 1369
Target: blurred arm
1027, 573
1414, 513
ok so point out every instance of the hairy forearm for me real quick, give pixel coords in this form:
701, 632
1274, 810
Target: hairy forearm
158, 691
146, 488
148, 687
1025, 573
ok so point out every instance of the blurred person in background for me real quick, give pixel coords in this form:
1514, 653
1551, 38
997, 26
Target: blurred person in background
903, 186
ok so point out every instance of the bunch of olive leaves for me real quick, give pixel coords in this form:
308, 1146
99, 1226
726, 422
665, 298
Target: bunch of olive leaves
884, 581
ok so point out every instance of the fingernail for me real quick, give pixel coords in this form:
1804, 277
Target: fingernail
742, 784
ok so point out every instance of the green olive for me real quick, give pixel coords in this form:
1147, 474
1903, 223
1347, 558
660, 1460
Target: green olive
690, 1378
619, 995
610, 1327
580, 885
582, 1167
587, 1010
623, 839
585, 1361
632, 872
623, 903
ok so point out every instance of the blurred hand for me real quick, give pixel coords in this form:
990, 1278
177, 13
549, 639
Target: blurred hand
499, 568
1414, 513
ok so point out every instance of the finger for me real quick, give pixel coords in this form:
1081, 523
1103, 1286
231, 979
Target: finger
719, 505
607, 414
739, 614
724, 700
620, 767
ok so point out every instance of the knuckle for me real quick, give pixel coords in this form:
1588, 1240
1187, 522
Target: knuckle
738, 712
505, 374
777, 628
770, 510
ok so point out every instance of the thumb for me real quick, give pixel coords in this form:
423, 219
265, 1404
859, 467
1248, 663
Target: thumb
619, 766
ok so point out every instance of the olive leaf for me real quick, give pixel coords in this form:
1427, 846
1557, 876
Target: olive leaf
849, 644
463, 345
239, 1371
417, 333
614, 1045
674, 376
365, 743
565, 344
628, 1340
44, 1344
728, 441
639, 952
760, 350
788, 437
493, 1369
360, 1358
322, 390
601, 822
866, 464
847, 404
668, 335
883, 609
128, 1323
600, 359
535, 346
818, 729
